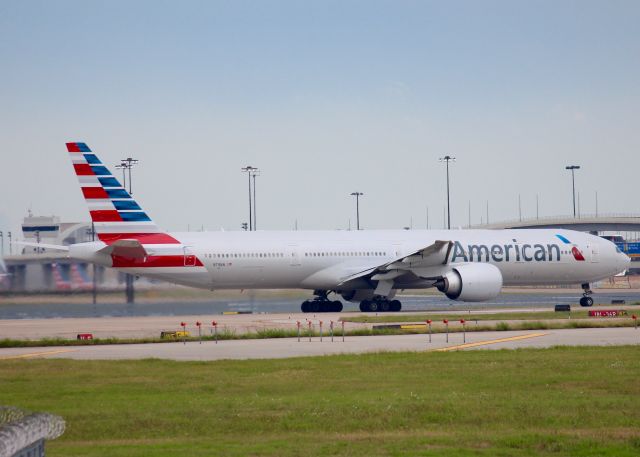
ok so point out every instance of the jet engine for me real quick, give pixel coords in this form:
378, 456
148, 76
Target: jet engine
357, 295
471, 282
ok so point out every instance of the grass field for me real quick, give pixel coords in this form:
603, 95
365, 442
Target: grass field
561, 401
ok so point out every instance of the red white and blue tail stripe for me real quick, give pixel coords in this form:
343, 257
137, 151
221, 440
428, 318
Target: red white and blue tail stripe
119, 220
115, 214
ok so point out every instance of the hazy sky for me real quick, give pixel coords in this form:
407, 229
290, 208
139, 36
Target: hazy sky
326, 98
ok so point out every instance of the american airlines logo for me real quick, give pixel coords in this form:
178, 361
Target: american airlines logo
512, 252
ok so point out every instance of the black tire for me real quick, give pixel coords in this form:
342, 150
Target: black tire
395, 306
314, 306
374, 306
364, 306
586, 302
385, 306
305, 306
337, 306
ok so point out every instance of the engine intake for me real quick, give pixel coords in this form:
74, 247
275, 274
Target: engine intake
471, 282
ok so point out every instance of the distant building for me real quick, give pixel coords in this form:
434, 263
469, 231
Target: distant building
49, 230
38, 269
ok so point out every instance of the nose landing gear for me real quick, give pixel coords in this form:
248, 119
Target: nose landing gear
586, 299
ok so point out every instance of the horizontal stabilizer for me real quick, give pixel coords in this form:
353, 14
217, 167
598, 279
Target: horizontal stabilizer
130, 249
56, 247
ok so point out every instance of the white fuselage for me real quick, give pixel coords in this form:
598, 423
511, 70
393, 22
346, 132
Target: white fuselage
322, 259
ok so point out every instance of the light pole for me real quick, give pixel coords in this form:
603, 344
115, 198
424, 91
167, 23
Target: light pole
10, 245
94, 279
573, 168
124, 176
487, 212
519, 208
248, 170
1, 244
448, 159
255, 173
128, 164
357, 195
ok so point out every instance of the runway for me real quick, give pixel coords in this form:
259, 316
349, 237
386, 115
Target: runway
290, 347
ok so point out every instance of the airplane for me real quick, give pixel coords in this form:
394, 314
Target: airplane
362, 266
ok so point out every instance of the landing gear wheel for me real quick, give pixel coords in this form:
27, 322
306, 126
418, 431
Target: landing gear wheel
395, 305
385, 306
586, 301
374, 306
305, 306
364, 306
314, 306
337, 306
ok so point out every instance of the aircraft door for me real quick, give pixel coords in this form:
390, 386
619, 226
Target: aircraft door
294, 255
189, 258
595, 253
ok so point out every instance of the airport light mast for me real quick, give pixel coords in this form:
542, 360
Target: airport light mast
357, 195
124, 176
447, 159
249, 170
573, 168
127, 164
255, 173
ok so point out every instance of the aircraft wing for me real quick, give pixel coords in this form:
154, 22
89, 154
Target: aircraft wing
424, 263
131, 249
56, 247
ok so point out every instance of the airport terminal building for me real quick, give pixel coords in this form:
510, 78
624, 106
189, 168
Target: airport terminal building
37, 269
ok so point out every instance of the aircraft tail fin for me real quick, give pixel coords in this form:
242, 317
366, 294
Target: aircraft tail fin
115, 214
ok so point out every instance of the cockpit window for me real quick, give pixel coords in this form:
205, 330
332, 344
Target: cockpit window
618, 250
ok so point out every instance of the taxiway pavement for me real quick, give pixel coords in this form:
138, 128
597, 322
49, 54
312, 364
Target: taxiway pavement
290, 347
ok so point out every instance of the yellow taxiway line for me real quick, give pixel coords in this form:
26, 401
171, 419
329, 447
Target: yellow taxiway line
36, 354
487, 342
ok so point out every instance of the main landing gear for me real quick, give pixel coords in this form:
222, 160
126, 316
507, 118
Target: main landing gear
321, 304
380, 304
586, 300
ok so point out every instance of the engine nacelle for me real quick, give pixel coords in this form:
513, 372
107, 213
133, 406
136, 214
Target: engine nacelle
357, 295
471, 282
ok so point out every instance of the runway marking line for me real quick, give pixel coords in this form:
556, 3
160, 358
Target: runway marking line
487, 342
36, 354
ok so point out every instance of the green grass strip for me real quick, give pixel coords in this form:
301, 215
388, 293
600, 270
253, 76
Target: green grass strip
534, 402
